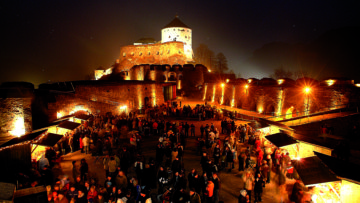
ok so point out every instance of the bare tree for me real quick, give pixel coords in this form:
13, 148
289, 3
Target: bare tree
205, 56
281, 73
221, 63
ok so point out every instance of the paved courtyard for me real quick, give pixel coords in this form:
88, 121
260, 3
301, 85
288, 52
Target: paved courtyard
231, 182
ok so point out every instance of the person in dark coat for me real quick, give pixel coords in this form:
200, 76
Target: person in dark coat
241, 158
258, 188
84, 169
159, 153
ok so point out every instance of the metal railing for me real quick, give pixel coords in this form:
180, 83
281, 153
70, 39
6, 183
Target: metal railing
300, 118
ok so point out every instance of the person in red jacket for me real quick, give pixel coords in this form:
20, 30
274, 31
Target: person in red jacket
92, 194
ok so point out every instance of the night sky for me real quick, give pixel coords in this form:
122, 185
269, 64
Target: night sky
62, 40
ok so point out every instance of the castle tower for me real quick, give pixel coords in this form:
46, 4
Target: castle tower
178, 31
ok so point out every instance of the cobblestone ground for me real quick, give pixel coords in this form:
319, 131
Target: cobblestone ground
231, 182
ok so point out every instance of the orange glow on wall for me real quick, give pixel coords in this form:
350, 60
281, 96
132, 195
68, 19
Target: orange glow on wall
233, 97
214, 90
19, 127
222, 93
79, 108
280, 102
227, 80
205, 92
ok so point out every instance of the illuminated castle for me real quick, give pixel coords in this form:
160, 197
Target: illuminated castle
175, 48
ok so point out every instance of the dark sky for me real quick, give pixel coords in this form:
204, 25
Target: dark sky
58, 40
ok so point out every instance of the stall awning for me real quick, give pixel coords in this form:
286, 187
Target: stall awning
259, 124
68, 125
50, 139
24, 138
341, 168
83, 117
281, 139
312, 171
277, 124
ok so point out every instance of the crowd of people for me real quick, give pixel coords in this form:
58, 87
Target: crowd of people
133, 177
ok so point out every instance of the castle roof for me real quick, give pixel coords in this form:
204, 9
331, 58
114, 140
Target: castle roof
176, 23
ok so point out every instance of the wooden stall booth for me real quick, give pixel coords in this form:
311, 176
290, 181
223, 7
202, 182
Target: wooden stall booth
349, 175
82, 119
307, 146
16, 153
284, 142
39, 148
322, 185
66, 126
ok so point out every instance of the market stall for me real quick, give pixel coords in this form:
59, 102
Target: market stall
284, 142
307, 146
349, 175
322, 184
66, 126
16, 153
39, 148
266, 127
82, 119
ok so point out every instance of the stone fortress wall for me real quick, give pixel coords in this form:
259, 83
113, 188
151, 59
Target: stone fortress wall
112, 97
162, 53
286, 99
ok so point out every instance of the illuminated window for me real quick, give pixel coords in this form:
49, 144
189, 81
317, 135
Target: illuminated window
124, 54
132, 53
149, 53
140, 53
157, 53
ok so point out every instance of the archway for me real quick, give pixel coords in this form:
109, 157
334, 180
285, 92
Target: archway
270, 109
291, 113
146, 101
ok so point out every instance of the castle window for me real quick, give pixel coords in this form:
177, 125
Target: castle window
169, 36
179, 52
132, 53
149, 53
140, 53
124, 54
157, 53
174, 29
